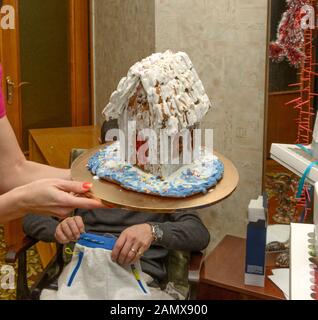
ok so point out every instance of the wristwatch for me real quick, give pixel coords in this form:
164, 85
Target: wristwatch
156, 231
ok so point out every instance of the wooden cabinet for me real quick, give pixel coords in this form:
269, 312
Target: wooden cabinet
222, 275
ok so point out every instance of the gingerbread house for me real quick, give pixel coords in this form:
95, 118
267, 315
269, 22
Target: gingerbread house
164, 93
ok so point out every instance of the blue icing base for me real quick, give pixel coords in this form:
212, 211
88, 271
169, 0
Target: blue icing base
189, 180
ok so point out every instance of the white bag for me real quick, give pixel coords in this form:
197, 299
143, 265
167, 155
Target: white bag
92, 275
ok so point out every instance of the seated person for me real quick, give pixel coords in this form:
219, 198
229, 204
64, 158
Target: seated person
141, 236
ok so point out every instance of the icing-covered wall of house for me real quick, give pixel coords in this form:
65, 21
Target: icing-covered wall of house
123, 33
226, 40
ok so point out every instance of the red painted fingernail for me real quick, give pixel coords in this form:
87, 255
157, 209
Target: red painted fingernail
87, 185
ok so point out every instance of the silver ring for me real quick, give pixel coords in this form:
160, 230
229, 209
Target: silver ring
133, 250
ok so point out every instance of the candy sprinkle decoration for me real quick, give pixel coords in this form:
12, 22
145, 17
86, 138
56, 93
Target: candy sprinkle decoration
189, 180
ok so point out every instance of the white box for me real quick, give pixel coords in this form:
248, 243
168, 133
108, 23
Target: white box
293, 158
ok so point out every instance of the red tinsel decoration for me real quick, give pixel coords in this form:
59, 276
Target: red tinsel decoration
290, 35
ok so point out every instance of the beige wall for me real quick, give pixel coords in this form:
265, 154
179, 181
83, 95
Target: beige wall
226, 40
124, 33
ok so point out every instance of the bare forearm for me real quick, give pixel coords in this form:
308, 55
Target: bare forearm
34, 171
24, 172
10, 206
15, 170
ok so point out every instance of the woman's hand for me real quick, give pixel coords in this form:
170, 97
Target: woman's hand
54, 197
69, 230
132, 244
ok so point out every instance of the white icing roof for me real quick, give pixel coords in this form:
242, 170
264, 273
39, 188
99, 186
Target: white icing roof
182, 98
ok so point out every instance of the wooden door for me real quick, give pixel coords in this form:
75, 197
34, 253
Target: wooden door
11, 73
17, 72
11, 66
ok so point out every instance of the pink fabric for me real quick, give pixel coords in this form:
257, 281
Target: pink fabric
2, 104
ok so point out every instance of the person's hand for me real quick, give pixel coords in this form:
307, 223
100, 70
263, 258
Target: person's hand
55, 197
69, 230
132, 244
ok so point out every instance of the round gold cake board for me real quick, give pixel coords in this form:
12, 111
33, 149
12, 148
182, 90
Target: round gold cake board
116, 196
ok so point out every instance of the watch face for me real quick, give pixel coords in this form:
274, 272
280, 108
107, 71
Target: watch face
158, 232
